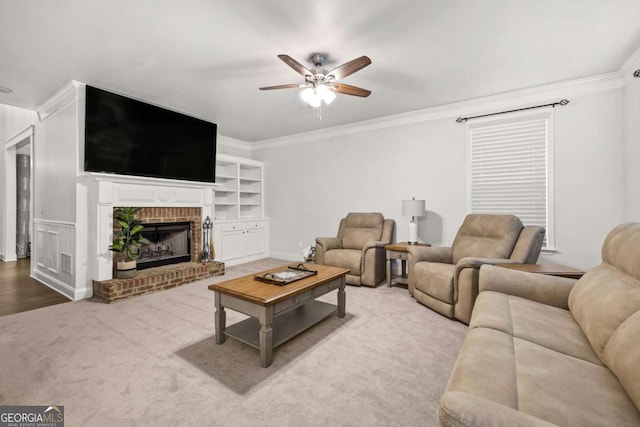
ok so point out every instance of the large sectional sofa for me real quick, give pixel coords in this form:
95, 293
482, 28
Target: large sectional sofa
545, 350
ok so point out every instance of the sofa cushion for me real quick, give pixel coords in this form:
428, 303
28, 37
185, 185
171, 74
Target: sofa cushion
608, 295
360, 229
435, 279
459, 409
601, 301
621, 249
345, 258
485, 367
364, 220
539, 381
623, 356
545, 325
486, 236
357, 238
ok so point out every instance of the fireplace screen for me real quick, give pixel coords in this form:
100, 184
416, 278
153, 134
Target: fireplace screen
170, 244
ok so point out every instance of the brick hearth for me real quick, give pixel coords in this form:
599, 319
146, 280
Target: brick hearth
168, 276
155, 279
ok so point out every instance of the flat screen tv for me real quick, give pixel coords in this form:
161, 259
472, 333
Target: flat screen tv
130, 137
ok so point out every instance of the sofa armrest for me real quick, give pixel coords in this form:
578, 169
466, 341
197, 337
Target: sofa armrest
324, 244
440, 254
471, 262
542, 288
373, 263
329, 243
374, 245
459, 409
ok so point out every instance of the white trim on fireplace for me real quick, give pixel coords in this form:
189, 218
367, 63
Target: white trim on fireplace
111, 191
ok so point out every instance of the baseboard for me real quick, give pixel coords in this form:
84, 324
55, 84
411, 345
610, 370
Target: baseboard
283, 256
287, 256
61, 287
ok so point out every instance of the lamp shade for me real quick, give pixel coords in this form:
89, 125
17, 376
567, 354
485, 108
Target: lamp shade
413, 207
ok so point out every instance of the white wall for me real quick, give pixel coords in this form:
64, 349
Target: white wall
589, 180
310, 186
55, 164
313, 182
13, 121
632, 139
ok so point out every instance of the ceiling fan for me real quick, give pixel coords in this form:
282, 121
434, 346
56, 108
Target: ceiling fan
322, 85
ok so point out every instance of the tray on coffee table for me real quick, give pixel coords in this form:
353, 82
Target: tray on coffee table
286, 275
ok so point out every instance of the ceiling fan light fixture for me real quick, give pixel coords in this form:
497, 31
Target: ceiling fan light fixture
306, 94
315, 101
314, 96
321, 86
326, 94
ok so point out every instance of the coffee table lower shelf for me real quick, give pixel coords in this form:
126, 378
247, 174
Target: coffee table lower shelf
285, 325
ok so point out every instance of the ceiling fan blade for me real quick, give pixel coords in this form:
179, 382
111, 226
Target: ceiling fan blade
350, 90
349, 68
287, 86
298, 67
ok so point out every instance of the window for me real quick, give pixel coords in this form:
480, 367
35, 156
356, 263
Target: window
510, 168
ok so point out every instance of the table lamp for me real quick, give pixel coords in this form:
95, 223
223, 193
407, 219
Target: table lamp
413, 208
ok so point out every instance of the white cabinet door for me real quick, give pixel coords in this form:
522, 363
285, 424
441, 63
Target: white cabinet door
231, 244
241, 241
255, 241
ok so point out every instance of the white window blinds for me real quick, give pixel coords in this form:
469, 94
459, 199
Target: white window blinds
509, 165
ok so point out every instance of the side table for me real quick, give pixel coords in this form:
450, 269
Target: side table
399, 251
549, 269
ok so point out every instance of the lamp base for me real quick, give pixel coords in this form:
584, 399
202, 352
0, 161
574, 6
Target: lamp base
413, 232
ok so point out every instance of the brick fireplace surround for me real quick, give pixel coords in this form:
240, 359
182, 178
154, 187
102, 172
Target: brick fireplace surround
168, 276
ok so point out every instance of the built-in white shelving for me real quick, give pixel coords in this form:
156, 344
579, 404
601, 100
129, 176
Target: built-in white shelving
240, 190
241, 231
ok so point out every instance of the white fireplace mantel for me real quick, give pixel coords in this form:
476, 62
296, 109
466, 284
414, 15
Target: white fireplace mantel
111, 191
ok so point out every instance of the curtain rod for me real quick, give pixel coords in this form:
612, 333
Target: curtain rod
561, 102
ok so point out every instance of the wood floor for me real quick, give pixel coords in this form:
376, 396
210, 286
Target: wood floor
19, 292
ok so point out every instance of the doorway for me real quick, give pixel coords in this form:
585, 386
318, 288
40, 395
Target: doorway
18, 192
18, 290
23, 199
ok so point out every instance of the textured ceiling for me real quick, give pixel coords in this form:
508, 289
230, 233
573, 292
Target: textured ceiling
207, 58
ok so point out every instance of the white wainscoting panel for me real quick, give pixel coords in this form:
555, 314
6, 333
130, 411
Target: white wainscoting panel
53, 249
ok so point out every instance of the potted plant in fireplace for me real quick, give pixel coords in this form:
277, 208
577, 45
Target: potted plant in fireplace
126, 241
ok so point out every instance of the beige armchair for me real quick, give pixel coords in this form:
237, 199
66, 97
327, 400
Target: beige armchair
359, 247
445, 279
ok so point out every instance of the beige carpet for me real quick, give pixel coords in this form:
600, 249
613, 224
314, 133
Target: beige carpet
153, 361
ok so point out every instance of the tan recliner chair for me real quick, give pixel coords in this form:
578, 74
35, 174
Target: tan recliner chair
359, 247
445, 279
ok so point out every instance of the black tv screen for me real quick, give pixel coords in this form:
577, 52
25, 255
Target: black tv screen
130, 137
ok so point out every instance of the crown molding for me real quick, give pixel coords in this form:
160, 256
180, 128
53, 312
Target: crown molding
19, 137
509, 100
61, 99
630, 65
233, 143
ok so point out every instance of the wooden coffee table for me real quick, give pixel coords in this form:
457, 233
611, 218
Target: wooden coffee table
278, 313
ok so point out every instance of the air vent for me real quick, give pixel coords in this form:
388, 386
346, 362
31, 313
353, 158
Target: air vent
65, 261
